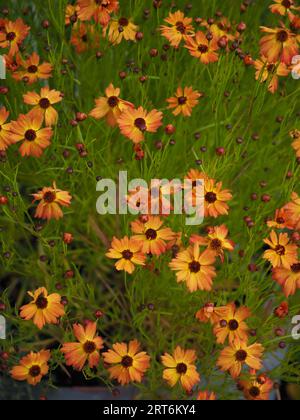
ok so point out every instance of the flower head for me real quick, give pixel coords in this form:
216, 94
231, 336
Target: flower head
288, 278
13, 34
180, 28
256, 387
127, 252
293, 211
5, 139
42, 104
210, 313
201, 48
215, 198
31, 70
84, 37
32, 367
120, 29
280, 221
279, 45
100, 10
281, 7
50, 199
184, 101
281, 252
232, 324
270, 72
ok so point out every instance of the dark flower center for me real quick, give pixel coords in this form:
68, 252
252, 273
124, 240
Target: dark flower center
254, 392
210, 197
123, 21
30, 135
41, 302
180, 27
89, 347
49, 196
84, 38
280, 220
34, 371
286, 3
203, 48
127, 254
44, 103
282, 36
151, 234
181, 368
140, 123
280, 250
241, 355
271, 68
216, 244
113, 101
194, 266
126, 361
233, 325
295, 268
32, 69
10, 36
182, 100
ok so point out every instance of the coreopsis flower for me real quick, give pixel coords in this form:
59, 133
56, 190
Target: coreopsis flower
44, 308
100, 10
86, 350
238, 354
279, 45
281, 252
84, 37
222, 29
120, 29
288, 278
42, 104
195, 268
270, 72
151, 236
71, 15
257, 387
184, 101
232, 324
210, 313
293, 210
294, 21
4, 129
295, 135
215, 198
180, 28
32, 367
134, 123
216, 240
31, 70
28, 130
50, 199
280, 221
110, 106
129, 364
282, 7
201, 48
127, 252
206, 396
13, 34
181, 367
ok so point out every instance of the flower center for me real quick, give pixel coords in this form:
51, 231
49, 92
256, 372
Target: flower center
127, 254
34, 371
180, 27
127, 361
280, 220
254, 392
286, 3
210, 197
280, 250
181, 368
113, 101
44, 103
49, 196
271, 68
194, 266
295, 268
241, 355
32, 69
41, 302
89, 347
203, 48
140, 123
10, 36
233, 325
182, 100
151, 234
30, 135
216, 244
282, 36
84, 38
123, 21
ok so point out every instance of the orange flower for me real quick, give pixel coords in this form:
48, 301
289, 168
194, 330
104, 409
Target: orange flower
279, 45
281, 7
43, 104
195, 268
269, 72
44, 309
210, 313
121, 28
127, 252
233, 357
129, 364
216, 240
215, 198
134, 123
87, 350
293, 210
222, 29
100, 10
295, 135
71, 15
151, 236
51, 198
206, 396
28, 130
4, 129
281, 252
13, 34
288, 278
181, 367
282, 310
257, 387
32, 367
31, 70
179, 30
84, 37
184, 101
232, 324
281, 220
110, 106
202, 49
